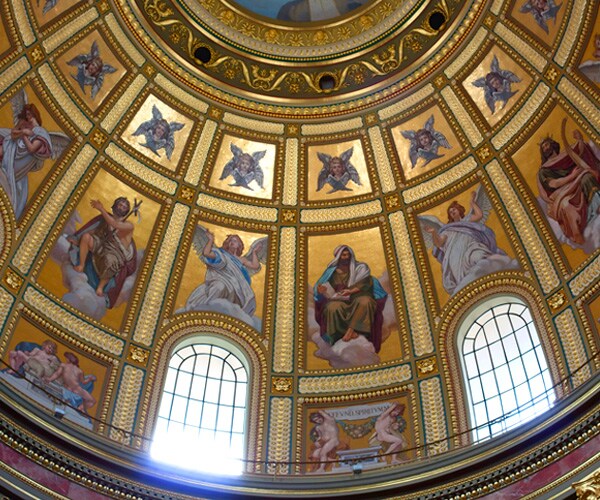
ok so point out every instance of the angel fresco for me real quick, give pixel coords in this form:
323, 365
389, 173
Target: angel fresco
337, 172
244, 168
227, 286
542, 11
425, 143
24, 148
569, 187
159, 133
91, 70
591, 67
48, 5
496, 85
465, 247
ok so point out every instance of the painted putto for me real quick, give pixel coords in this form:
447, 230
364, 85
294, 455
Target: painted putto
90, 70
425, 143
244, 168
542, 11
159, 133
24, 148
496, 85
337, 172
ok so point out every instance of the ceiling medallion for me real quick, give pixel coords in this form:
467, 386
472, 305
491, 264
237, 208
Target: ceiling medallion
378, 45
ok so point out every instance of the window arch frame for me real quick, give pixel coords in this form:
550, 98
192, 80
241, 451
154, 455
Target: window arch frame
464, 327
240, 341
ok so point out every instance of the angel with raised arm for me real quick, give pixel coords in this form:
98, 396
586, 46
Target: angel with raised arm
244, 168
465, 247
496, 85
337, 171
425, 143
542, 11
159, 133
24, 148
91, 70
228, 273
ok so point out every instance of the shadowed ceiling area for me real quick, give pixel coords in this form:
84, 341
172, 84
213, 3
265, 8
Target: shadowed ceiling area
357, 242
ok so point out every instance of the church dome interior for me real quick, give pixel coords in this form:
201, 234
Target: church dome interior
299, 248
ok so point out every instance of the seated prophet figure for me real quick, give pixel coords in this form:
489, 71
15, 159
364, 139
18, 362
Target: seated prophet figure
104, 249
349, 301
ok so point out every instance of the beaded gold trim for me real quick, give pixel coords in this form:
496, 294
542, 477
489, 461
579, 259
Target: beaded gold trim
280, 435
52, 42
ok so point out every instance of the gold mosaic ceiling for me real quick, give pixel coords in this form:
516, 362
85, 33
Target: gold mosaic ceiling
220, 83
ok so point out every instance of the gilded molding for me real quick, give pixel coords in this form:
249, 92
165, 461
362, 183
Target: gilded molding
67, 31
427, 366
13, 280
581, 100
147, 322
382, 160
285, 309
467, 54
434, 419
6, 303
139, 170
114, 116
571, 35
497, 6
406, 103
282, 385
589, 488
322, 215
355, 381
196, 166
512, 38
557, 300
290, 179
72, 324
263, 126
177, 92
24, 26
124, 40
585, 278
65, 101
441, 181
13, 73
330, 128
26, 254
534, 246
573, 347
464, 117
417, 309
528, 110
138, 355
237, 210
280, 435
126, 405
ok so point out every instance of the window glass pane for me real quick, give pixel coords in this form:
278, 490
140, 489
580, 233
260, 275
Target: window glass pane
517, 371
511, 348
480, 340
483, 360
480, 413
497, 353
488, 381
537, 386
523, 394
476, 390
470, 364
509, 402
503, 378
504, 325
182, 387
494, 407
212, 390
524, 340
530, 362
491, 333
209, 398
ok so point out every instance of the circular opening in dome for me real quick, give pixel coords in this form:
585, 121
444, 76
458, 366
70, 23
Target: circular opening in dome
327, 82
202, 54
437, 20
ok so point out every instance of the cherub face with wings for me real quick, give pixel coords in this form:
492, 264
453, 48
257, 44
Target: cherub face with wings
159, 133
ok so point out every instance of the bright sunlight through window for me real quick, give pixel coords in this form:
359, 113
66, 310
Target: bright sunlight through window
507, 376
202, 413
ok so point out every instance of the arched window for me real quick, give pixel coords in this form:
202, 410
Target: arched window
506, 375
202, 414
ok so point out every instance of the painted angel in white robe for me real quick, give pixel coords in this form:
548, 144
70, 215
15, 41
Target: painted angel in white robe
244, 168
425, 143
24, 148
337, 171
227, 285
496, 85
465, 247
159, 133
